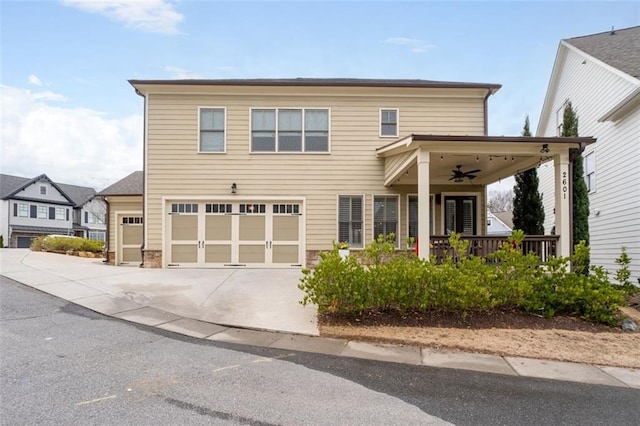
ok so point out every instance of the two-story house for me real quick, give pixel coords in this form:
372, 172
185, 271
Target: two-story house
269, 172
39, 206
600, 75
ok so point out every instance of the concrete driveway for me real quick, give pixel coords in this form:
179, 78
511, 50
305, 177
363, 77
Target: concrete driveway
263, 299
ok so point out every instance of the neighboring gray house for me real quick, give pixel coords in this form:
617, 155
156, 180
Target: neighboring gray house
38, 206
499, 223
600, 75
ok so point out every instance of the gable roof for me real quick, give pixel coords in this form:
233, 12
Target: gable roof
505, 217
617, 48
130, 185
76, 195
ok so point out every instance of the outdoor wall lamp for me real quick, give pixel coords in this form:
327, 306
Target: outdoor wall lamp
545, 148
234, 188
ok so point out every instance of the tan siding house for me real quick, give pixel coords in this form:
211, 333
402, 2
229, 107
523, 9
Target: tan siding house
267, 173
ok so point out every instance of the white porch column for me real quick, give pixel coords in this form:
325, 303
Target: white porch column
562, 207
424, 233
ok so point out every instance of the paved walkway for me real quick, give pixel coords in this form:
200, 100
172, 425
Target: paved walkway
252, 307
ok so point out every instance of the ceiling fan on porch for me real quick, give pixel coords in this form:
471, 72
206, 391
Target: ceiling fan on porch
459, 175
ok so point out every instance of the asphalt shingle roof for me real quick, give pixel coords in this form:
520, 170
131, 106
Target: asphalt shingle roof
130, 185
618, 48
78, 194
9, 184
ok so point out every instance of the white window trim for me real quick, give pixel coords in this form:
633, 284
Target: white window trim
45, 189
58, 209
373, 216
364, 231
46, 212
560, 117
586, 175
276, 152
397, 110
27, 211
224, 139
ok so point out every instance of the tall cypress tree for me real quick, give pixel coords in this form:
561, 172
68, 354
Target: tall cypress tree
579, 187
528, 212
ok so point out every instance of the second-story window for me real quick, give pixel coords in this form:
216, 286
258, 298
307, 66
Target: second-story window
43, 212
289, 130
23, 210
389, 122
212, 130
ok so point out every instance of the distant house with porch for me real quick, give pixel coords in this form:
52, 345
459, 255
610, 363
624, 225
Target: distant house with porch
600, 75
269, 172
32, 207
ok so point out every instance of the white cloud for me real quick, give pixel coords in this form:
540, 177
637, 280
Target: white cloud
71, 145
414, 45
181, 74
33, 79
152, 16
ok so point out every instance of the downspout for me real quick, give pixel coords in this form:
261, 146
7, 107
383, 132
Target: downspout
486, 113
106, 240
144, 178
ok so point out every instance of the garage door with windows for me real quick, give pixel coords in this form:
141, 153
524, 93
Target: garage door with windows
235, 234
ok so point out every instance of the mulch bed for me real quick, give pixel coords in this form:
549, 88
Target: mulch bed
473, 320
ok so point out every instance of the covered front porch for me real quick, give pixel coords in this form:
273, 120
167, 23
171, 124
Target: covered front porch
450, 174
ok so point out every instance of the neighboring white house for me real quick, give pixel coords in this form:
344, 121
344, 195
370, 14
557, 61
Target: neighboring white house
600, 75
499, 223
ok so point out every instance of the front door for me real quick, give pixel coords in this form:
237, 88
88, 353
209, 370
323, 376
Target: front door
460, 214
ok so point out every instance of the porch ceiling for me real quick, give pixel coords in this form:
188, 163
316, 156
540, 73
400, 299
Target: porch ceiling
496, 157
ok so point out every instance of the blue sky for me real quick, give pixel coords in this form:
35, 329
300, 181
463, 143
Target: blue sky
68, 110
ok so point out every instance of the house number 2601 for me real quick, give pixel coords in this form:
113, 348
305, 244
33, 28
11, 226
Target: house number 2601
564, 185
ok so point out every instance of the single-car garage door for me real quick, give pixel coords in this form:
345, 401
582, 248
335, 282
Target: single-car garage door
265, 234
130, 240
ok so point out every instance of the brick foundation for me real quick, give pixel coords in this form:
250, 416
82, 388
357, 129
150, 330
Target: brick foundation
313, 258
111, 258
152, 258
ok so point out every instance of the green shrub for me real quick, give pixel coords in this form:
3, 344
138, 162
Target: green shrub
382, 279
65, 244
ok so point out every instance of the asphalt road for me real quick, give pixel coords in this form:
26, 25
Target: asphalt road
63, 364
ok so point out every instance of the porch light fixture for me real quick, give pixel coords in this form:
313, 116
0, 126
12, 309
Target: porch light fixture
545, 148
234, 188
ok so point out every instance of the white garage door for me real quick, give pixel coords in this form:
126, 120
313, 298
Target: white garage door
259, 234
130, 240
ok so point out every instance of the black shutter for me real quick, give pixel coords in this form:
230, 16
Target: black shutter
86, 217
52, 213
67, 214
15, 210
34, 211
